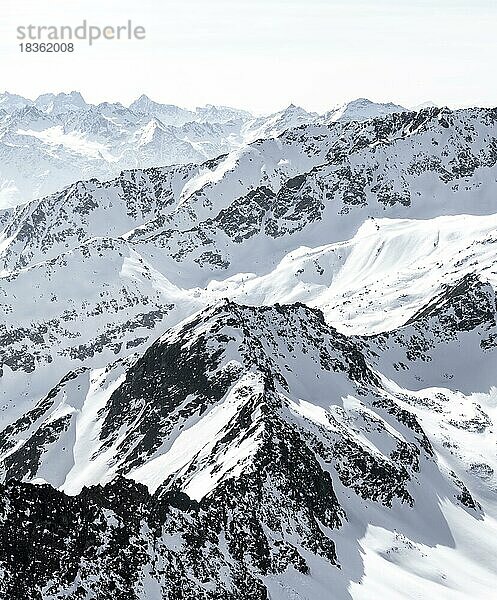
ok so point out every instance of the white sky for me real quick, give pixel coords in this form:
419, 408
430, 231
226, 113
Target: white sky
264, 54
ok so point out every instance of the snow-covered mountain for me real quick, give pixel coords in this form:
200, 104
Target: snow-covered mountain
363, 109
11, 102
264, 375
57, 139
275, 461
60, 103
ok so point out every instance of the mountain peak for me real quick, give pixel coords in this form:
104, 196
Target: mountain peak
143, 102
61, 102
10, 102
470, 300
361, 109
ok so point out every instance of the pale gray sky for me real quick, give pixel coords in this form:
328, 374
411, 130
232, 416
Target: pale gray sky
264, 54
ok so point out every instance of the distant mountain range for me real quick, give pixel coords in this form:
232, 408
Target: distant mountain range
57, 139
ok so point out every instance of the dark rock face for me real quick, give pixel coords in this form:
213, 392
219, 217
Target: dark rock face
106, 540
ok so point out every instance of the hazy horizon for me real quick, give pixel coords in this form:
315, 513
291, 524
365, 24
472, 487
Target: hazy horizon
262, 55
192, 107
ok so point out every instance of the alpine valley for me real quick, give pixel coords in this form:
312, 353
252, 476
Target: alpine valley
247, 358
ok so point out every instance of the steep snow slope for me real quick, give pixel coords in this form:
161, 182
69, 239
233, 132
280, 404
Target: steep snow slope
382, 276
449, 342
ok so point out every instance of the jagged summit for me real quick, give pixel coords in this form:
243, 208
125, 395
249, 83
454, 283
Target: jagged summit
60, 103
262, 427
10, 102
143, 99
233, 354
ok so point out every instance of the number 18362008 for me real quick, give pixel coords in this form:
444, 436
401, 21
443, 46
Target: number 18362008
47, 47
